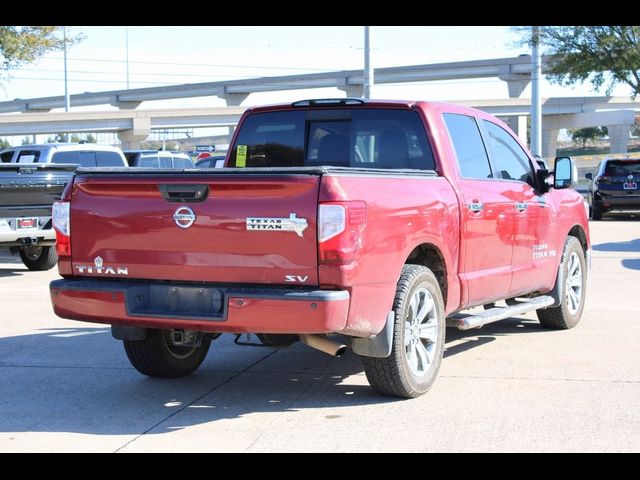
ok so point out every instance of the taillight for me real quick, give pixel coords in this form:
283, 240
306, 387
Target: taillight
339, 227
62, 226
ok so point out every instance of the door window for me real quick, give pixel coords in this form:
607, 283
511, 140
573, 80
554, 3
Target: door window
510, 160
467, 143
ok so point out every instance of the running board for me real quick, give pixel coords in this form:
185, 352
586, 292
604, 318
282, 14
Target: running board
500, 313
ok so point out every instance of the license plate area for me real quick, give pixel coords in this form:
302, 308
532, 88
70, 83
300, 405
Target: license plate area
630, 185
171, 301
27, 223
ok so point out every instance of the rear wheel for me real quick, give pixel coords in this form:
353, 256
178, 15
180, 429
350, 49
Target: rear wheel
574, 269
418, 337
156, 356
39, 258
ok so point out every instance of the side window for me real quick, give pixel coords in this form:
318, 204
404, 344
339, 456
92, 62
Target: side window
28, 156
148, 162
467, 143
6, 156
109, 159
508, 156
179, 162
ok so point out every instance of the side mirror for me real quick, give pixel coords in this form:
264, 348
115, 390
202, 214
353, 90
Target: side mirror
566, 173
588, 176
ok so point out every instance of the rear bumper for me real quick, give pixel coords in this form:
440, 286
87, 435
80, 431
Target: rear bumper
618, 201
240, 310
9, 236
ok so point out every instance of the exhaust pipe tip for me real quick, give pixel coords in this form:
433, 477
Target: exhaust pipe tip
342, 349
323, 344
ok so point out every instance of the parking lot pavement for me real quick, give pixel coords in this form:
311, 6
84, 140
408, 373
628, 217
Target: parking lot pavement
510, 386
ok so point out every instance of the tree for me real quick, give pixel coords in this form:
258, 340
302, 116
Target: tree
27, 141
4, 143
21, 45
588, 133
635, 128
59, 138
603, 55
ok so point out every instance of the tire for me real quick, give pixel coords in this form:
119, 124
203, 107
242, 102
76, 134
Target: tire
156, 357
574, 269
411, 370
596, 212
39, 258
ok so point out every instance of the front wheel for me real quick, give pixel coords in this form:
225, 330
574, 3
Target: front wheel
156, 356
574, 269
39, 258
418, 337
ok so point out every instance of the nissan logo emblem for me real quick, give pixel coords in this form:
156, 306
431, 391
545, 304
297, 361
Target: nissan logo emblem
184, 217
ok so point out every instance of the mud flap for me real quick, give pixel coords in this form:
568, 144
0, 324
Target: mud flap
378, 346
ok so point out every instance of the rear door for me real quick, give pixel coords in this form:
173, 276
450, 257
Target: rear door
487, 215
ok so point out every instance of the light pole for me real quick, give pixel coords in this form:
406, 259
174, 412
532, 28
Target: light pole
536, 111
67, 104
368, 66
126, 32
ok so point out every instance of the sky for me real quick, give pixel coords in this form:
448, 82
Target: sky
166, 55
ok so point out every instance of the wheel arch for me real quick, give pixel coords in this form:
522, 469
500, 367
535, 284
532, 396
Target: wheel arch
578, 232
430, 256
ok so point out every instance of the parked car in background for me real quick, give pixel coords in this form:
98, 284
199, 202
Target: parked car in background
159, 159
82, 154
614, 186
132, 156
211, 162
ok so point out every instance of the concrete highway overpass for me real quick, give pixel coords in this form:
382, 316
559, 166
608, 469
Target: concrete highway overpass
134, 126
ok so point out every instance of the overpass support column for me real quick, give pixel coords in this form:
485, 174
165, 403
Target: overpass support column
234, 99
519, 126
619, 138
549, 142
353, 91
131, 139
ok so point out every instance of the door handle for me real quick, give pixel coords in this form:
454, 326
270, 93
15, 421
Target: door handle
521, 206
476, 206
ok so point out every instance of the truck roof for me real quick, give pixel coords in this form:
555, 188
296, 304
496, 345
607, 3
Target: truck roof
376, 103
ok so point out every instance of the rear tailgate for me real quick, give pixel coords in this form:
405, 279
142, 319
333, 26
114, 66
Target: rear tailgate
31, 189
250, 227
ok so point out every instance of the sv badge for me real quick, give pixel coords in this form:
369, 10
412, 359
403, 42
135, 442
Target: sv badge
296, 278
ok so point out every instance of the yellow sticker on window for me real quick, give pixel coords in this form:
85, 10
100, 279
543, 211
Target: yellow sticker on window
241, 156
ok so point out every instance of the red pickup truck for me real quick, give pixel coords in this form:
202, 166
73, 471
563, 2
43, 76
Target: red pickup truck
344, 223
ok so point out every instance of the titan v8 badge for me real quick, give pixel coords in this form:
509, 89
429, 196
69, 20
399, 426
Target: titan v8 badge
99, 268
291, 224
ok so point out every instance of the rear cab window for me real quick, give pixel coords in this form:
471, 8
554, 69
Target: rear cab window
83, 159
345, 137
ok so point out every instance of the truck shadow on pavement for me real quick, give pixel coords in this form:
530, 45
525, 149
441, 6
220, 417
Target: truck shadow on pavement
632, 246
15, 267
79, 380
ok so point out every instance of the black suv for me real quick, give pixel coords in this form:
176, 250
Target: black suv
614, 186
